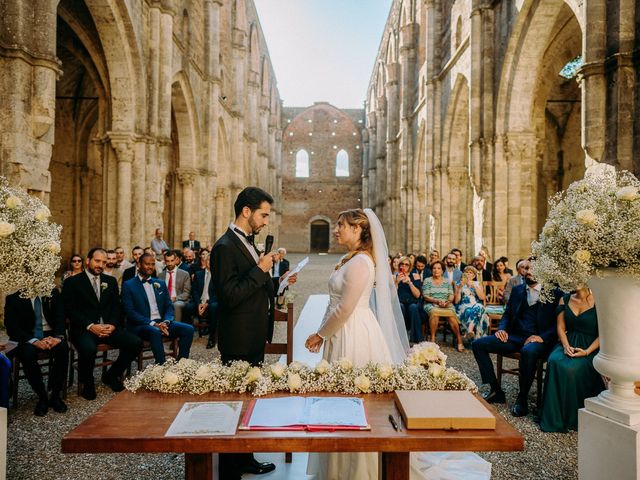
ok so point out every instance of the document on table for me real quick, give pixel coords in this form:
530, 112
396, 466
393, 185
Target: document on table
285, 280
205, 419
345, 412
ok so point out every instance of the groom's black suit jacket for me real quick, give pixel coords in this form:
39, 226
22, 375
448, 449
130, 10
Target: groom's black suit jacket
244, 294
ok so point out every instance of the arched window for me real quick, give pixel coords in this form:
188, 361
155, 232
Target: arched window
302, 163
342, 164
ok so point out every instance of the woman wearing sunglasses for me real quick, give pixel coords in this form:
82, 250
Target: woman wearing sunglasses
76, 266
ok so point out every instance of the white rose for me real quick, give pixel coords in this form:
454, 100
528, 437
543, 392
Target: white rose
582, 256
13, 202
363, 383
586, 217
277, 369
54, 247
413, 359
628, 193
203, 372
170, 378
435, 369
345, 363
294, 382
42, 214
385, 371
6, 229
253, 374
322, 367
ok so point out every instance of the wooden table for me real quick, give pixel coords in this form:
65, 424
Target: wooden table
125, 425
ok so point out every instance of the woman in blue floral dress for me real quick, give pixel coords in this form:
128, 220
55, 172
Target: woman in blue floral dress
469, 299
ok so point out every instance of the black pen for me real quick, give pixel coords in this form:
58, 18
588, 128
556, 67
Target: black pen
393, 422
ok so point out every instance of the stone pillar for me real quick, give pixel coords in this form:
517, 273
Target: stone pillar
186, 177
380, 156
28, 73
392, 165
458, 179
123, 147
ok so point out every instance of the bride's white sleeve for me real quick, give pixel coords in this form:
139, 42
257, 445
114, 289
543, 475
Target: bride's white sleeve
356, 278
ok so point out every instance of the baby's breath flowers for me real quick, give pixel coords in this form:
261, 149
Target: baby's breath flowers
593, 225
29, 243
424, 369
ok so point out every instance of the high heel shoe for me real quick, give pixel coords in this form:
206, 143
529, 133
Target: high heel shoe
460, 348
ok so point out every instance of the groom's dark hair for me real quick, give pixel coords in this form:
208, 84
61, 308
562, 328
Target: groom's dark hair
251, 197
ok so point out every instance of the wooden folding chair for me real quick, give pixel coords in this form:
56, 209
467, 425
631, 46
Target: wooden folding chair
44, 359
500, 370
102, 360
147, 354
494, 308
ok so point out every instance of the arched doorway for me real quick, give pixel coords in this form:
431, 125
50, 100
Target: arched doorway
319, 236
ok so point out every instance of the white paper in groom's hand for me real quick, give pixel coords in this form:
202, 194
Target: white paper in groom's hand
205, 419
285, 280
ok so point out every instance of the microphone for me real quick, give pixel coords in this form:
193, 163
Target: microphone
268, 244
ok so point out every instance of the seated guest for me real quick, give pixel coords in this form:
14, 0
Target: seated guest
121, 263
459, 263
199, 264
484, 253
188, 260
505, 260
483, 274
92, 304
280, 267
37, 325
438, 302
451, 274
132, 271
408, 289
434, 256
469, 297
111, 268
421, 270
570, 374
75, 267
499, 274
149, 311
417, 315
513, 281
528, 326
207, 304
394, 264
179, 285
159, 263
191, 242
158, 245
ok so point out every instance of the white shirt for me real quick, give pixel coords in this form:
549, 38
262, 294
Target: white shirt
533, 294
244, 240
172, 292
276, 269
205, 289
154, 313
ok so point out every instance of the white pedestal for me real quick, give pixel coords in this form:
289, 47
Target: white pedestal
607, 449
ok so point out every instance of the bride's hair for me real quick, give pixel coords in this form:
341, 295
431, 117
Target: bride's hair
355, 217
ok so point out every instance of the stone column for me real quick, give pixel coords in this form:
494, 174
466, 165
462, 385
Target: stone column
392, 166
186, 177
380, 156
458, 179
123, 147
28, 73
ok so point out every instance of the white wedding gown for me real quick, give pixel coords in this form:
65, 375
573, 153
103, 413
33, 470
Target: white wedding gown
351, 331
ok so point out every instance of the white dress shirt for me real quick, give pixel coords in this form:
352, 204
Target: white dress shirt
533, 294
244, 240
205, 289
154, 313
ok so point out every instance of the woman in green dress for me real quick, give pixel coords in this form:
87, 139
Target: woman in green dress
570, 374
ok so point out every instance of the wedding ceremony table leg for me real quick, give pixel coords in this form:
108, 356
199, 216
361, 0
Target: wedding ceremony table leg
394, 466
198, 466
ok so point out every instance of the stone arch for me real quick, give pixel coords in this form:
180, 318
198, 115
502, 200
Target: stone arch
319, 234
254, 49
392, 51
457, 207
538, 116
185, 114
266, 76
406, 12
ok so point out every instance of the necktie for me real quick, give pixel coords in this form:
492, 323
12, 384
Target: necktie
96, 286
37, 310
170, 285
190, 243
250, 238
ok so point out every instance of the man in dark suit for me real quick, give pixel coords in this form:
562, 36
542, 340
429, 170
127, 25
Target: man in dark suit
478, 263
37, 325
528, 326
192, 243
245, 295
459, 263
149, 310
203, 296
92, 304
132, 271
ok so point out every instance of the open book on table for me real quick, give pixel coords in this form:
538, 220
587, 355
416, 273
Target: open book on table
305, 413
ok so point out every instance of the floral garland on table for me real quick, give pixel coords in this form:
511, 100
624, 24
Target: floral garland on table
423, 369
29, 243
592, 225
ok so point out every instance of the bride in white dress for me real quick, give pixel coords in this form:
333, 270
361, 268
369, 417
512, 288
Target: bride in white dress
362, 323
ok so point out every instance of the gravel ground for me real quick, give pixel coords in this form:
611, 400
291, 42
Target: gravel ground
34, 443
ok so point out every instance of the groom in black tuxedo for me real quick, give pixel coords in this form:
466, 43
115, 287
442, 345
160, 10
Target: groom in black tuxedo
243, 286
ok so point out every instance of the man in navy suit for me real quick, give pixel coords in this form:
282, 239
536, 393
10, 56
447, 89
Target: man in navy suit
37, 325
149, 311
528, 326
205, 300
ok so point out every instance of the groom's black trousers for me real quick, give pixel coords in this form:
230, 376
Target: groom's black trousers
230, 464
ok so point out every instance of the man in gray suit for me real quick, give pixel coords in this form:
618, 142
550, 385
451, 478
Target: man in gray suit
179, 285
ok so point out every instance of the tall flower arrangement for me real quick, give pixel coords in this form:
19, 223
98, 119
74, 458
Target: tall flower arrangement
29, 243
594, 224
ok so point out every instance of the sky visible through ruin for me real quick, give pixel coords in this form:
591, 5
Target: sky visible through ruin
323, 50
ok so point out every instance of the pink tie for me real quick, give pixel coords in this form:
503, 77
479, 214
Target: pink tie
170, 281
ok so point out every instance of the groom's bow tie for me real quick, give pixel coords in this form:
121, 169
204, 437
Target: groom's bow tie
250, 238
